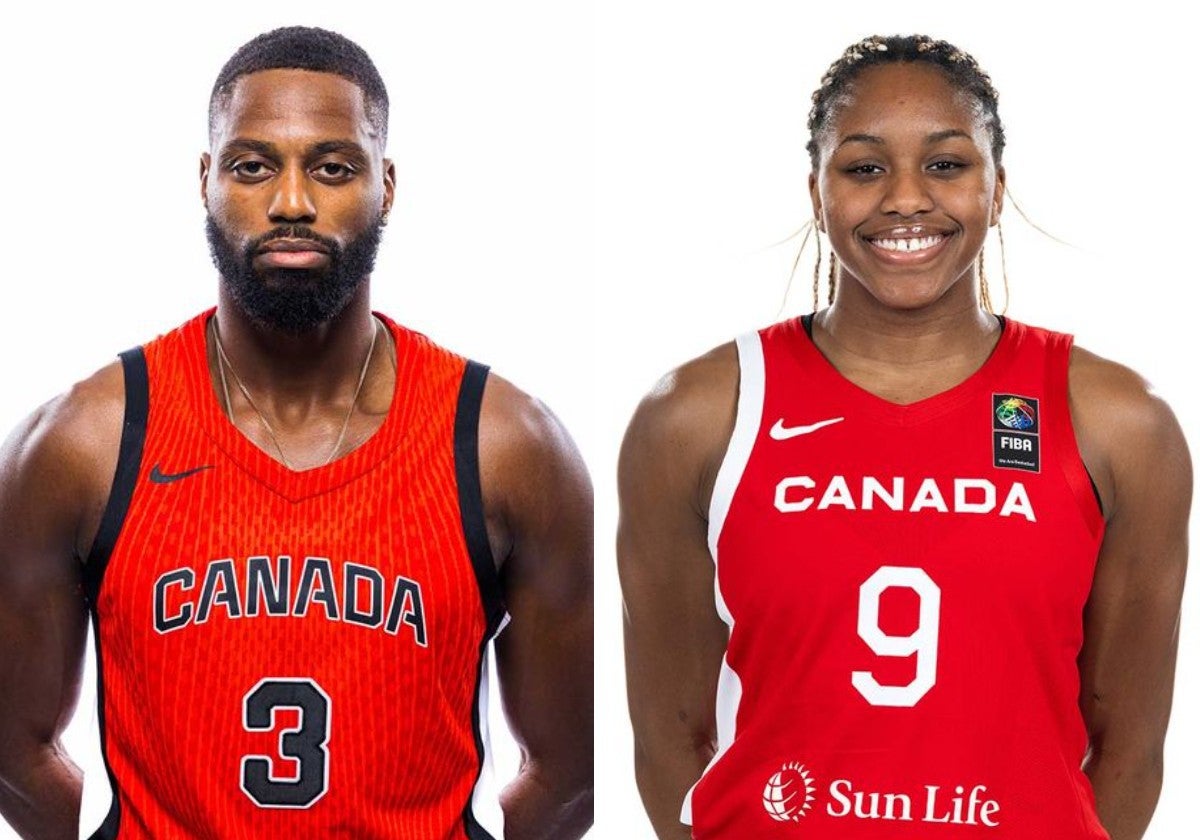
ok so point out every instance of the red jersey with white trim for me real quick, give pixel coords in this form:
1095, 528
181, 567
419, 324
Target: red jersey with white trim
295, 654
905, 587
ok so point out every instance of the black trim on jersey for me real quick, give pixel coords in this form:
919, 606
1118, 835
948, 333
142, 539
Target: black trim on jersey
471, 825
129, 464
470, 505
1095, 489
807, 321
470, 495
108, 829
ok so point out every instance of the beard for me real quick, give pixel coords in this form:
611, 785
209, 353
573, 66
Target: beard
294, 300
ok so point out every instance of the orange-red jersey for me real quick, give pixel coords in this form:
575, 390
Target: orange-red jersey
295, 654
904, 587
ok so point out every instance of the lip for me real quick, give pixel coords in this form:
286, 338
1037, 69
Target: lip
292, 245
292, 253
909, 233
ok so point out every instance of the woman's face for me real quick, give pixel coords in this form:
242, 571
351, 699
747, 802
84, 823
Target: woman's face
906, 187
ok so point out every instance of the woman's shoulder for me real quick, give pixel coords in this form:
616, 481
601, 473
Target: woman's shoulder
1123, 427
687, 400
681, 428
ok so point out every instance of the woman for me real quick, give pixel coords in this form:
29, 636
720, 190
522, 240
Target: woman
947, 549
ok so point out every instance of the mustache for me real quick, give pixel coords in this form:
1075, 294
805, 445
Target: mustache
292, 232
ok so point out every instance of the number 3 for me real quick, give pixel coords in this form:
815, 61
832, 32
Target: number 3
923, 641
305, 743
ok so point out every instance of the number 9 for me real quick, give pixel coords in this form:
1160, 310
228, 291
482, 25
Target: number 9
923, 641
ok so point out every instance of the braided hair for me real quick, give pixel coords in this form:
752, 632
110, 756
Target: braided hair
960, 68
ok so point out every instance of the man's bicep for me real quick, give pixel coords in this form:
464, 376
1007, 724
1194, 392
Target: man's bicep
544, 656
535, 478
43, 624
53, 472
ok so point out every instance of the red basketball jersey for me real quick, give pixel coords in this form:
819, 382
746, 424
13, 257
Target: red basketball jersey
904, 587
295, 654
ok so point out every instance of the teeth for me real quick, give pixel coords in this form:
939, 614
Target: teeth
908, 244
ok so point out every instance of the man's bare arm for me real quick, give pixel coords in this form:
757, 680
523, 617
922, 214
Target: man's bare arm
539, 504
50, 500
674, 639
1138, 457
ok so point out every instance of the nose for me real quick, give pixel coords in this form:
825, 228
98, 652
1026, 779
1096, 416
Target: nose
907, 194
292, 202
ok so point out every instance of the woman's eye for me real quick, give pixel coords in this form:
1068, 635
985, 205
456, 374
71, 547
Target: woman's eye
945, 166
865, 169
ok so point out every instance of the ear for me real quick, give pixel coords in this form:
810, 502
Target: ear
389, 185
205, 166
814, 193
998, 196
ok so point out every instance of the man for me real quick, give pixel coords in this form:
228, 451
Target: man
296, 526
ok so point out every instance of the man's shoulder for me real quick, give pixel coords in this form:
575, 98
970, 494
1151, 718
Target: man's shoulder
515, 424
59, 462
84, 418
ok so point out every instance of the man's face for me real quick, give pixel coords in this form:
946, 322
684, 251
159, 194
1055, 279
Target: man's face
295, 187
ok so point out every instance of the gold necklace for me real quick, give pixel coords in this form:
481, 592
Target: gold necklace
223, 362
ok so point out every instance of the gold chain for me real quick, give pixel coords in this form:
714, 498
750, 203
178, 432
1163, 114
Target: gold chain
223, 363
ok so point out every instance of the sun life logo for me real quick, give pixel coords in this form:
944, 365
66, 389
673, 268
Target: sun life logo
789, 794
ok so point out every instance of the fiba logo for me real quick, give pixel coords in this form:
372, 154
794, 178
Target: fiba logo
789, 794
1016, 413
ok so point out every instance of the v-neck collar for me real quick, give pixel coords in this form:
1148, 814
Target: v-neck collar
833, 382
294, 485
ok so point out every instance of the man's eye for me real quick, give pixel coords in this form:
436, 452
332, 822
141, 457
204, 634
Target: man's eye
335, 171
249, 168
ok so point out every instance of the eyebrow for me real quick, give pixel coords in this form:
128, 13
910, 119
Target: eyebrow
347, 147
936, 137
325, 147
243, 144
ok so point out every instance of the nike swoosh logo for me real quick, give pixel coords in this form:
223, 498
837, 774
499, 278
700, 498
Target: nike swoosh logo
159, 477
782, 432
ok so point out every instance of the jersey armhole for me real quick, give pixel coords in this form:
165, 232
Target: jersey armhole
470, 494
751, 392
748, 418
746, 425
129, 464
1070, 461
482, 817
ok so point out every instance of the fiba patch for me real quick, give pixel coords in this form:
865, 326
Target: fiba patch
1016, 428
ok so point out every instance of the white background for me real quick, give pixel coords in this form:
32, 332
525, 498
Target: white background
489, 246
700, 166
588, 196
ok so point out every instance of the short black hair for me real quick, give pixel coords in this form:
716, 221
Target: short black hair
305, 48
960, 68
